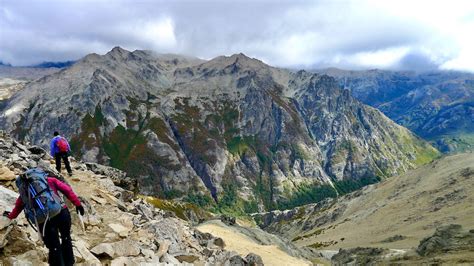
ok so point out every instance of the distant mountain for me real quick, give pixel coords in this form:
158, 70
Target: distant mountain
438, 106
249, 135
54, 64
25, 73
4, 64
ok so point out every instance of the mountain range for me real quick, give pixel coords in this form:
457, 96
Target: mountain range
437, 105
232, 129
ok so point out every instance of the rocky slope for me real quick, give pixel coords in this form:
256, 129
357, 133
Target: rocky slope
438, 106
229, 126
119, 228
424, 215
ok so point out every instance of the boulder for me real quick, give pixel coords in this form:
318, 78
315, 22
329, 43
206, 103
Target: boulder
32, 257
219, 242
163, 249
125, 248
167, 258
36, 150
237, 260
228, 220
120, 229
254, 259
186, 257
82, 253
7, 198
445, 239
126, 261
6, 174
104, 249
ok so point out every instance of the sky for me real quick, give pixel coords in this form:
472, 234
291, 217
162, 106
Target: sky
362, 34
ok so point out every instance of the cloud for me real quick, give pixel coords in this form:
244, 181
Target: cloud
311, 34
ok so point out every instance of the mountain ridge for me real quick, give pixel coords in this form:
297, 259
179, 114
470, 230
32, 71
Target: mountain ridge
436, 105
185, 125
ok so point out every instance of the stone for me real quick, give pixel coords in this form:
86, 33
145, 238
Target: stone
4, 222
228, 220
163, 249
82, 253
99, 200
219, 242
36, 150
6, 174
148, 253
167, 258
7, 198
119, 229
125, 261
186, 257
4, 233
104, 249
32, 257
126, 247
237, 260
254, 259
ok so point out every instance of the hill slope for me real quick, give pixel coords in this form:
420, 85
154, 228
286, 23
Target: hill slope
229, 126
397, 213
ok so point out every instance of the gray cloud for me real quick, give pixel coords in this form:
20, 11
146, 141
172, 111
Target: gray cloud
347, 34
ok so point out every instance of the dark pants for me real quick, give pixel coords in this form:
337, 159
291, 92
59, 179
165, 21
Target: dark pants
64, 156
60, 252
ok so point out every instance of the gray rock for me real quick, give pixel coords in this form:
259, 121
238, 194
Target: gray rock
254, 259
228, 220
237, 260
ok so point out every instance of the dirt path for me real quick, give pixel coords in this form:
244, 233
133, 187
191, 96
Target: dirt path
242, 244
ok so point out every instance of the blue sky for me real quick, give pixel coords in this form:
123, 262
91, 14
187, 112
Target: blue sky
363, 34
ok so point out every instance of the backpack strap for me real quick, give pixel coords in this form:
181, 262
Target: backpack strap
40, 236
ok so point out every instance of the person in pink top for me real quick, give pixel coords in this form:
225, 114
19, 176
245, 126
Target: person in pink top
60, 251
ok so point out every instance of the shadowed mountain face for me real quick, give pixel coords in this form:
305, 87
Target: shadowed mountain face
231, 127
438, 106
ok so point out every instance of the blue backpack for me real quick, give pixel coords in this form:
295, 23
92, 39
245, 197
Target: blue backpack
40, 201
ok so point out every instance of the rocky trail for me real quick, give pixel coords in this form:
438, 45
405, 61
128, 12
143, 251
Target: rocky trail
119, 229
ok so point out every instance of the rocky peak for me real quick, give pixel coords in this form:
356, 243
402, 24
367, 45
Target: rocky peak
118, 53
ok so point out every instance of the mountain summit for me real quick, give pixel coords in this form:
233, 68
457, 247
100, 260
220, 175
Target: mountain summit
231, 128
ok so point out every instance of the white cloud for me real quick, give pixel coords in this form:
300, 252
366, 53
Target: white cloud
346, 34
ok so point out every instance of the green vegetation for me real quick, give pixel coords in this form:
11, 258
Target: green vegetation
182, 210
126, 148
315, 233
455, 143
229, 202
306, 194
348, 186
313, 193
239, 145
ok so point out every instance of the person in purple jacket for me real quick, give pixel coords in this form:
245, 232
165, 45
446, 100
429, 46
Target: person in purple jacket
60, 149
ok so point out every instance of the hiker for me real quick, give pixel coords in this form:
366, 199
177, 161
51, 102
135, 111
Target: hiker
60, 149
39, 197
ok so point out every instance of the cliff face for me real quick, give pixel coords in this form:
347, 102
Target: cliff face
228, 126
